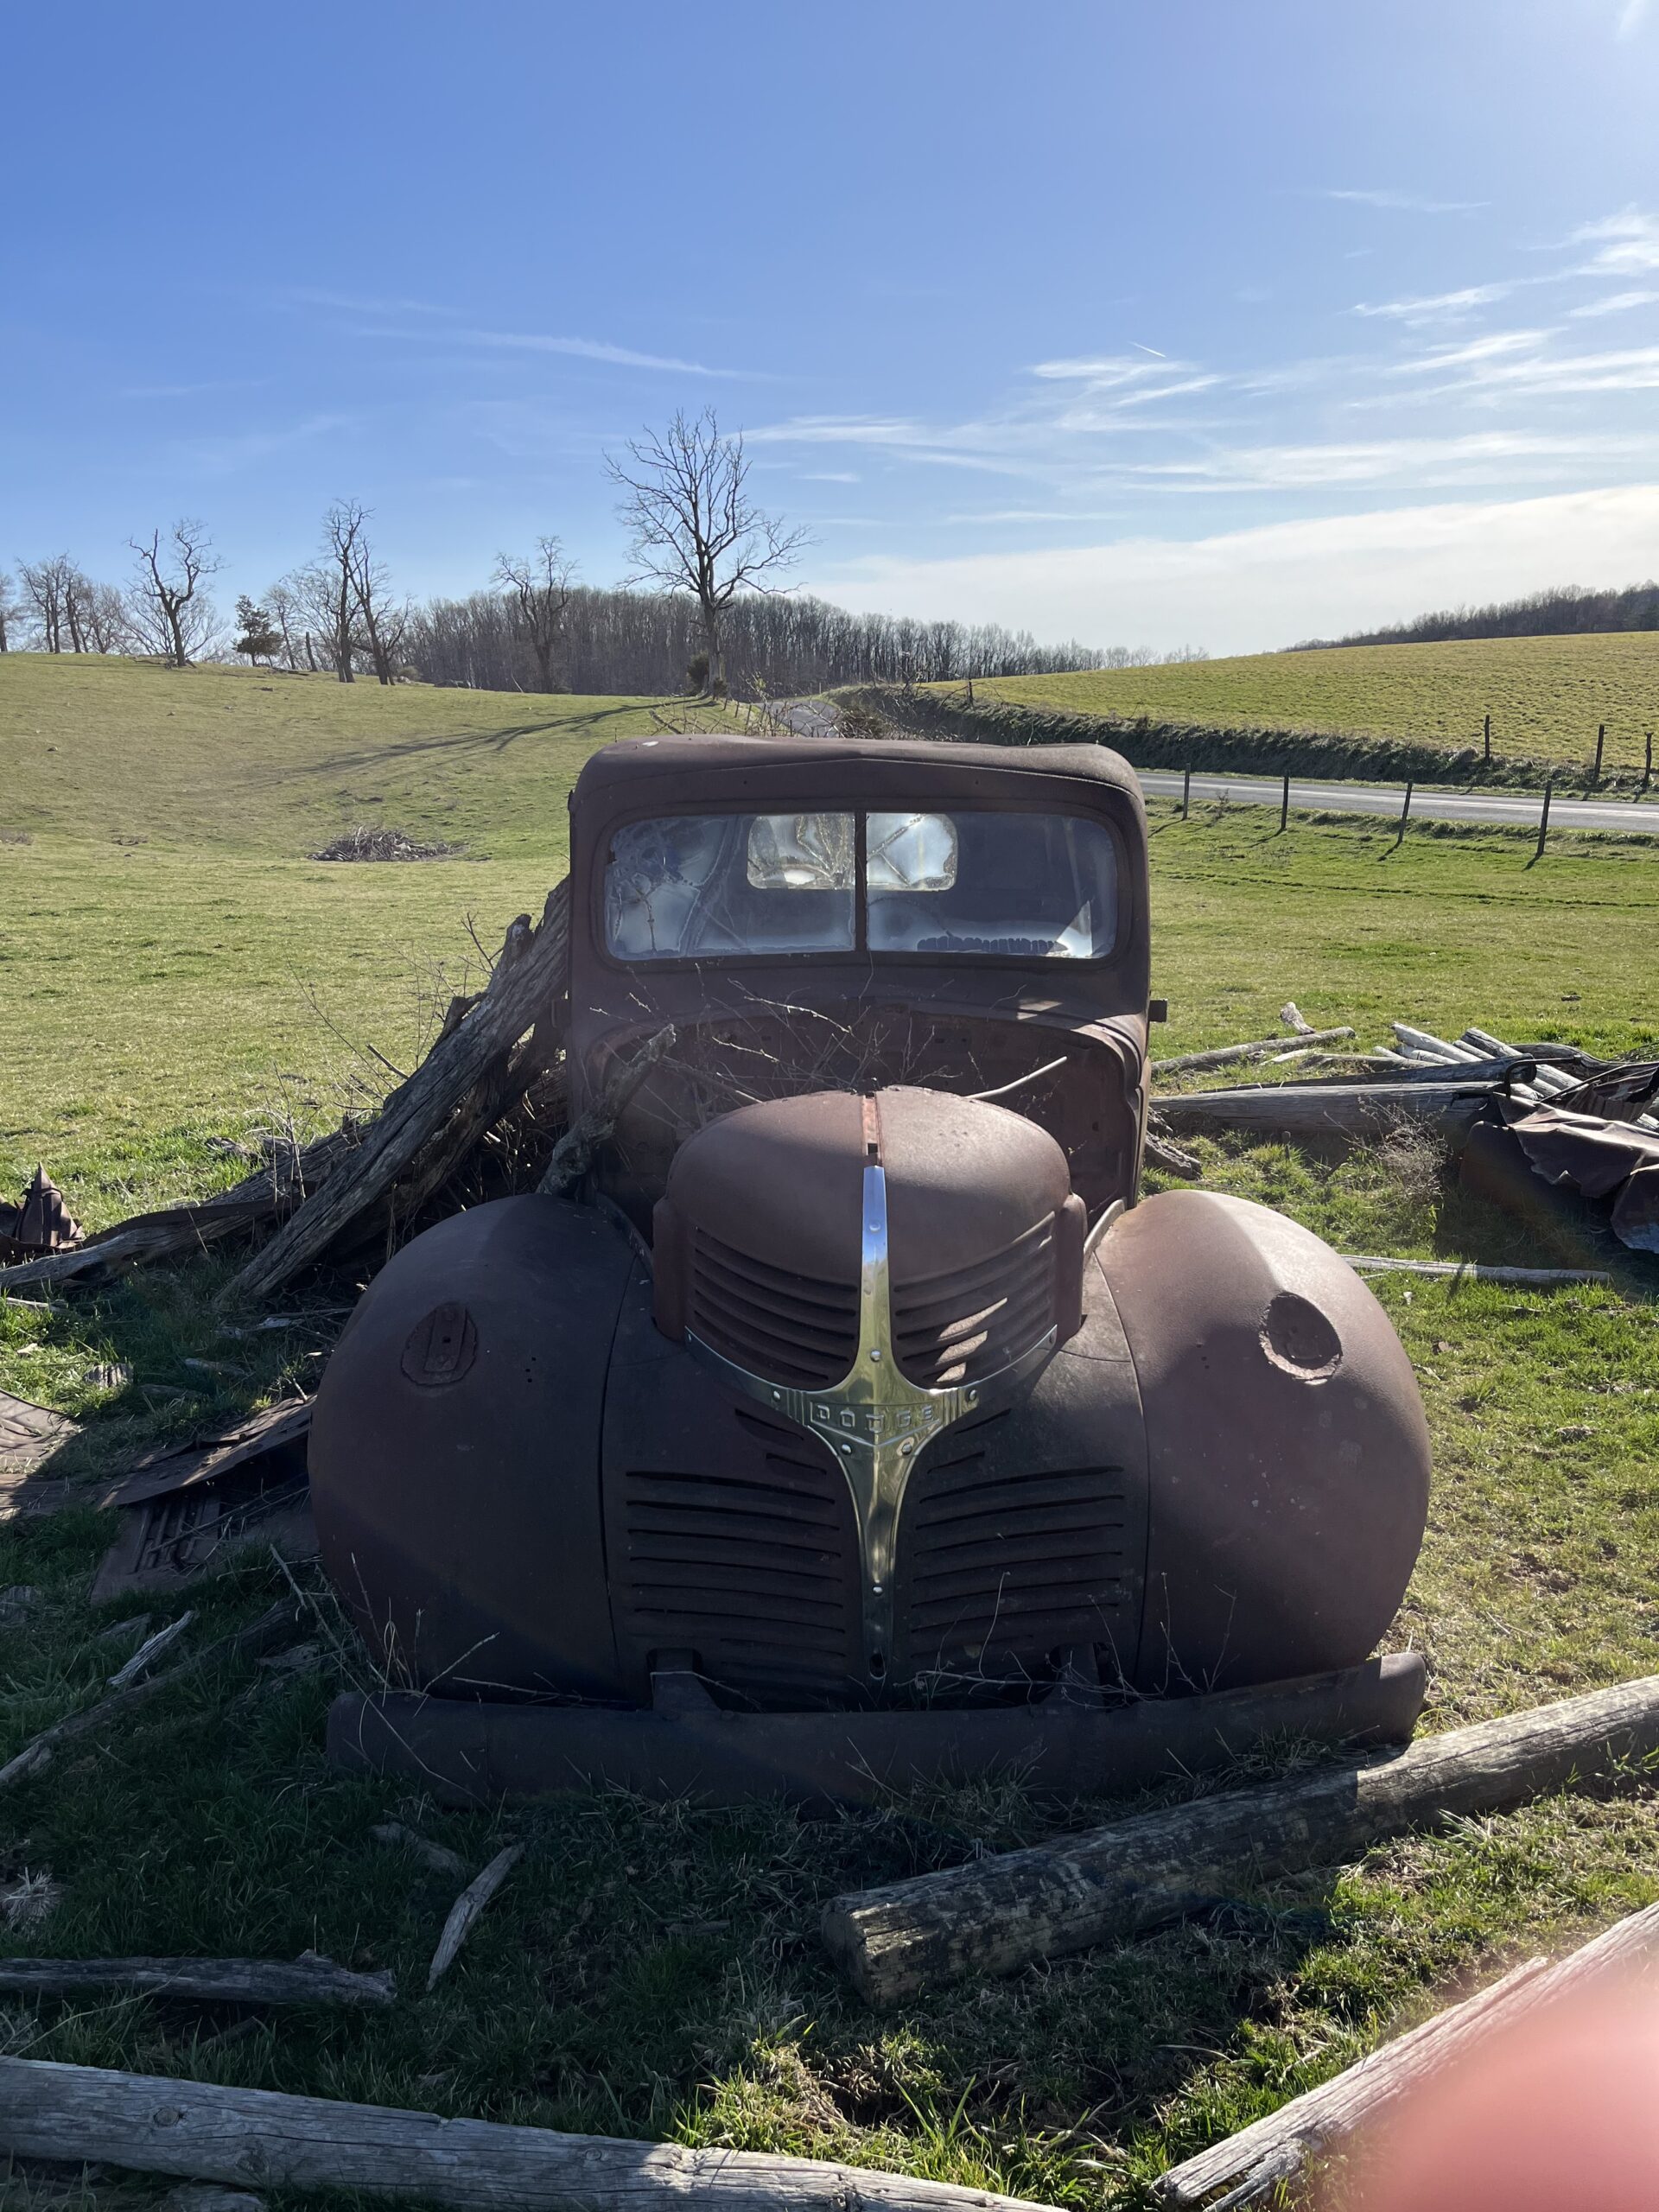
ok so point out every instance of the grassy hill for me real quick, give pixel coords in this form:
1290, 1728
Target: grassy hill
172, 962
1545, 695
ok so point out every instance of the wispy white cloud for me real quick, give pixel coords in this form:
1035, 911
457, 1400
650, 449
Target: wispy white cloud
1614, 303
1627, 243
1436, 307
586, 349
1631, 18
224, 456
1416, 464
1499, 343
1106, 372
358, 302
829, 476
1408, 203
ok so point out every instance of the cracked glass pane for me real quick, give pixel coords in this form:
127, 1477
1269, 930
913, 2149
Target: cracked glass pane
710, 887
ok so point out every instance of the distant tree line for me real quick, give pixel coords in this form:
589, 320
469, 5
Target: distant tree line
703, 610
1568, 611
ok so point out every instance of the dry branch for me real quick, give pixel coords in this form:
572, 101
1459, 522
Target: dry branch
467, 1907
1001, 1912
245, 1644
208, 1981
433, 1855
528, 975
1251, 2164
256, 2138
150, 1650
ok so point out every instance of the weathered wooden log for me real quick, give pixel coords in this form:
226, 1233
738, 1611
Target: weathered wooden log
529, 974
1170, 1158
1466, 1270
258, 2137
1001, 1912
434, 1856
1222, 1055
1327, 1110
466, 1909
245, 1644
208, 1981
150, 1650
1255, 2161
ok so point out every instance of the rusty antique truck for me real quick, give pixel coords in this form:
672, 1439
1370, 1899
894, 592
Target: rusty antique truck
856, 1418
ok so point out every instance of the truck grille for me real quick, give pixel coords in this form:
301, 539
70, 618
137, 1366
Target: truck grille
998, 1571
755, 1571
962, 1327
789, 1328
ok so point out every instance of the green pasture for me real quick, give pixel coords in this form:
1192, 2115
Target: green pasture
655, 1971
1545, 696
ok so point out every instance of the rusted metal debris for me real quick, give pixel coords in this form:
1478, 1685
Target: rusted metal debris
41, 1223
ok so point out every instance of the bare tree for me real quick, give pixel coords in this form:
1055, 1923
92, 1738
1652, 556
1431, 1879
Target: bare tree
46, 588
171, 613
540, 589
103, 616
692, 525
11, 607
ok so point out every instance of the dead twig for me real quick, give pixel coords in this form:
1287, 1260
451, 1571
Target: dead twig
467, 1909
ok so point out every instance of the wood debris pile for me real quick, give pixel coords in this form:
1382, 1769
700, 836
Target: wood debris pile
1526, 1120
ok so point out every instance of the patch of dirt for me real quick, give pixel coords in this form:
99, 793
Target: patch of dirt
365, 843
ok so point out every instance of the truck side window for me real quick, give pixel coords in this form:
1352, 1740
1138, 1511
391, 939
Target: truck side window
1025, 886
711, 886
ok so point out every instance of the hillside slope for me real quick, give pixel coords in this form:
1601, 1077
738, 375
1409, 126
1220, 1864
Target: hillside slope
266, 762
1545, 695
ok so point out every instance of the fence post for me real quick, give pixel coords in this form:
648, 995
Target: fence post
1186, 784
1405, 814
1284, 802
1601, 739
1543, 819
1486, 737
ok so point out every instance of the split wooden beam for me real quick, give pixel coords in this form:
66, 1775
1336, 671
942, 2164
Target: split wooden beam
259, 2139
1001, 1912
1260, 2158
265, 1195
528, 977
1467, 1271
207, 1982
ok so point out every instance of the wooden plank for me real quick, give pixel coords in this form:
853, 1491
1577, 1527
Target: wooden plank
1327, 1110
1466, 1270
210, 1981
258, 2137
1003, 1911
1259, 2158
527, 978
466, 1909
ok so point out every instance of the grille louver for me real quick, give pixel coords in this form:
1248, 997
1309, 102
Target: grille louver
998, 1571
756, 1572
961, 1327
789, 1328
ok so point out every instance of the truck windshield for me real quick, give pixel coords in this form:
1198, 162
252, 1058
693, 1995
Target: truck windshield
712, 886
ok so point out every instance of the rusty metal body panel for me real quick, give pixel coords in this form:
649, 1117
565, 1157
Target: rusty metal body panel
845, 1388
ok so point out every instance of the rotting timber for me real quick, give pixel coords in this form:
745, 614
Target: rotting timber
853, 1420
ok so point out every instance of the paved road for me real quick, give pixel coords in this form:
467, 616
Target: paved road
1434, 806
817, 718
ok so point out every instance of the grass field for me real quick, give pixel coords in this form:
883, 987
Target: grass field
655, 1972
1545, 695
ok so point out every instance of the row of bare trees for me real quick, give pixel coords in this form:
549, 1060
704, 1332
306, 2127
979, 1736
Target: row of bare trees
705, 605
54, 606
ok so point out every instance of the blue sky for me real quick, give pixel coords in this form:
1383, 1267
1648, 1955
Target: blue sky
1197, 321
